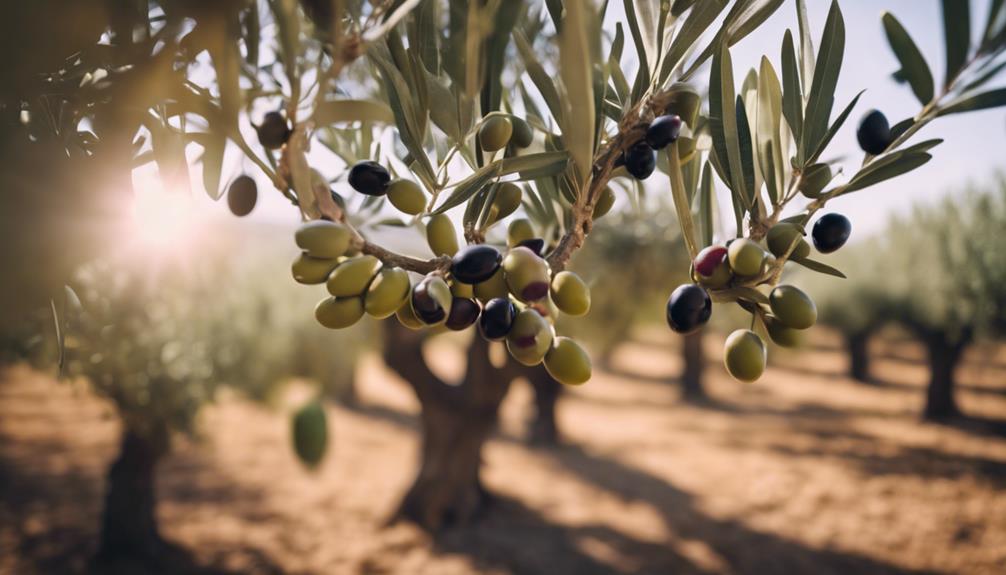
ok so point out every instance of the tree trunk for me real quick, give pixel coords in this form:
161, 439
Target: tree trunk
857, 345
129, 522
456, 421
542, 427
944, 355
691, 377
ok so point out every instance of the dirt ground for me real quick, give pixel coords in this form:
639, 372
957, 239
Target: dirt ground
804, 472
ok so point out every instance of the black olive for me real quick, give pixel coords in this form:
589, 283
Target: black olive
688, 308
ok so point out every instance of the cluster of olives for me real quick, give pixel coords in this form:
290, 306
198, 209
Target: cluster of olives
641, 158
789, 309
513, 297
499, 130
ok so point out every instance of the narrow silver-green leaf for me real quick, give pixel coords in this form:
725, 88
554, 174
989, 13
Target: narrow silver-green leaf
541, 79
642, 80
822, 90
806, 47
531, 166
699, 20
957, 35
818, 267
835, 126
746, 149
792, 99
983, 101
706, 206
885, 168
914, 68
575, 56
769, 120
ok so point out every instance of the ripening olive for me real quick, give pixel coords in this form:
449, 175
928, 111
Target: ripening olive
464, 313
522, 136
351, 277
688, 308
273, 132
744, 355
712, 267
792, 307
663, 131
407, 197
459, 289
874, 133
604, 203
785, 234
526, 274
831, 232
497, 318
814, 179
782, 335
518, 231
339, 312
536, 245
570, 293
441, 236
369, 177
407, 316
640, 160
492, 288
323, 239
387, 292
242, 195
746, 257
506, 201
530, 337
547, 308
431, 300
495, 133
567, 362
475, 263
310, 433
310, 270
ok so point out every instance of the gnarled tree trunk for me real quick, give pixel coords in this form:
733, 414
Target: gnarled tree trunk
542, 427
691, 376
944, 355
857, 344
129, 522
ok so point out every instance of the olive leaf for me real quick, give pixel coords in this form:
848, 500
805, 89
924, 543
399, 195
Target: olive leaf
885, 168
792, 98
822, 90
740, 293
743, 18
541, 79
835, 126
806, 47
983, 101
705, 201
699, 20
746, 153
914, 68
338, 111
818, 267
723, 124
531, 166
575, 56
642, 80
769, 120
212, 159
957, 35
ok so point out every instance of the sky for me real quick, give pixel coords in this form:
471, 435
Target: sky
975, 143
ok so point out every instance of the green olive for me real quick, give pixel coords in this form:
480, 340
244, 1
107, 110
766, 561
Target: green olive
386, 294
792, 307
782, 236
323, 239
782, 335
407, 316
523, 135
526, 274
309, 270
492, 288
815, 178
744, 355
441, 236
495, 132
530, 338
567, 362
506, 201
519, 230
407, 197
339, 312
604, 202
570, 293
310, 433
746, 257
352, 276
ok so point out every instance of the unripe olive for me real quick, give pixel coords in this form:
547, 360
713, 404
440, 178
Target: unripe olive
814, 179
497, 318
536, 245
782, 236
604, 203
242, 195
567, 362
640, 160
407, 316
746, 257
522, 136
323, 239
459, 289
431, 300
530, 338
407, 197
713, 267
570, 293
339, 312
273, 132
526, 274
518, 231
387, 292
547, 308
506, 201
792, 307
495, 133
464, 313
475, 263
309, 270
351, 277
744, 355
310, 433
441, 236
663, 131
874, 133
688, 308
831, 232
369, 177
781, 334
494, 287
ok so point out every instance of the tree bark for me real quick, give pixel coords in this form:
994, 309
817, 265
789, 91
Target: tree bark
129, 522
694, 359
944, 355
542, 427
857, 345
